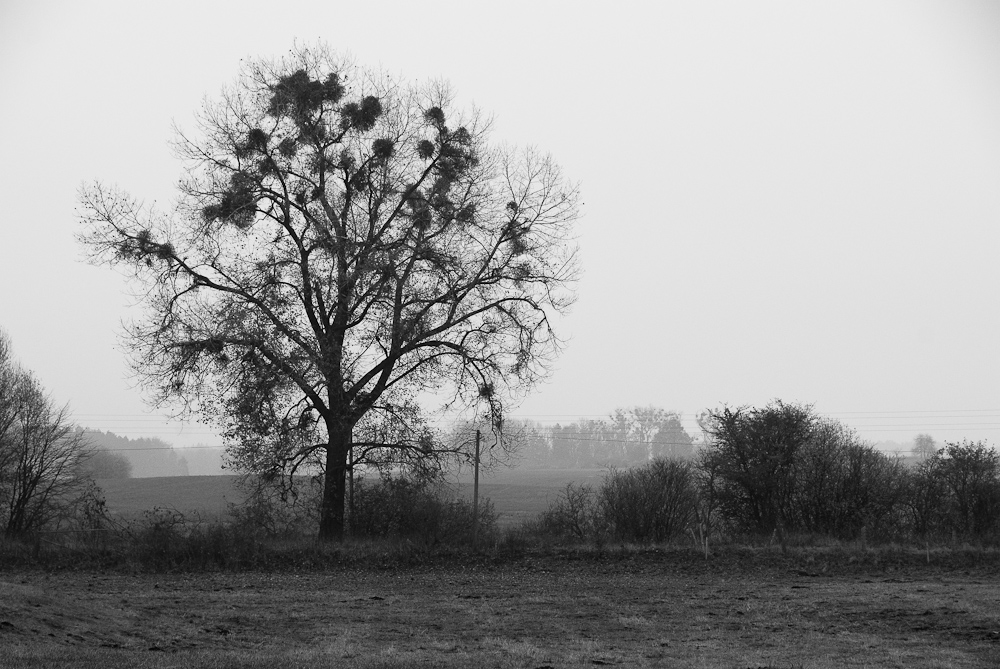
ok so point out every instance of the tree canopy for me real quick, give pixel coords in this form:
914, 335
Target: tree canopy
345, 248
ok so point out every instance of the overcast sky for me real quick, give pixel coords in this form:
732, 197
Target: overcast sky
782, 199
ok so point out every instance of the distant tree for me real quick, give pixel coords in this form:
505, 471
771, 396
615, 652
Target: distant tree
147, 456
924, 446
106, 465
561, 450
530, 440
671, 439
346, 247
41, 454
588, 443
628, 437
597, 443
650, 432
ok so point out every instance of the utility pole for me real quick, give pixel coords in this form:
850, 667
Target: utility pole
350, 494
475, 497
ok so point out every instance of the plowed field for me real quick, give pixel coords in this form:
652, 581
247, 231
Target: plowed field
651, 610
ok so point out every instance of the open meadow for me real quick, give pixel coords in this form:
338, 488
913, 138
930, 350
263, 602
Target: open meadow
563, 609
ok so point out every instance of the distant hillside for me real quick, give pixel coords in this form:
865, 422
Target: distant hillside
148, 457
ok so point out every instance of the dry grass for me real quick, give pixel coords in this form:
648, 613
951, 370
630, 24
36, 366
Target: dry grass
633, 609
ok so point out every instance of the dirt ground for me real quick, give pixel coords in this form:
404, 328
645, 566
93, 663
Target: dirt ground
647, 610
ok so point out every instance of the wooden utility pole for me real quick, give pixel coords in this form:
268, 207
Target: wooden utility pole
350, 494
475, 497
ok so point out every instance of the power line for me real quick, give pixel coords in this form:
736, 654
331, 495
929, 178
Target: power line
163, 448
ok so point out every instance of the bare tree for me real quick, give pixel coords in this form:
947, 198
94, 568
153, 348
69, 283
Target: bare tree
41, 454
344, 249
751, 454
924, 446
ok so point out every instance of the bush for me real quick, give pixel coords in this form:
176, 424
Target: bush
782, 469
925, 498
653, 503
956, 491
416, 509
650, 504
273, 510
751, 455
574, 514
843, 488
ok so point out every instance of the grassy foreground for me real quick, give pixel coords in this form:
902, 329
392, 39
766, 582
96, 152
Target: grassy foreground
632, 609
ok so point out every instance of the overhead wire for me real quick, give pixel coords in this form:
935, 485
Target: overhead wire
152, 426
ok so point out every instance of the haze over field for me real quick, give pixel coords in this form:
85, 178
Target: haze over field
782, 200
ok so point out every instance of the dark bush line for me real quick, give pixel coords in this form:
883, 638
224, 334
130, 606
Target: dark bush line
217, 550
782, 475
395, 521
773, 478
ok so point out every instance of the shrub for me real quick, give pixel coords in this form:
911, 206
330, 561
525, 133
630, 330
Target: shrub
654, 503
925, 498
957, 490
574, 514
844, 488
752, 455
275, 510
650, 504
417, 509
782, 469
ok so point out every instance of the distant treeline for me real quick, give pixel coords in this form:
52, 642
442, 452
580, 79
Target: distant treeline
628, 437
122, 457
117, 457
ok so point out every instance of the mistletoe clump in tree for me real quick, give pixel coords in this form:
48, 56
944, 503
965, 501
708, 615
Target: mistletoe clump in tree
345, 249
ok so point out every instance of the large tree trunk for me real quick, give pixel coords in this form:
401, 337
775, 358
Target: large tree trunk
331, 523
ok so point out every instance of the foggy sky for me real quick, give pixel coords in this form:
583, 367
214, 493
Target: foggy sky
782, 199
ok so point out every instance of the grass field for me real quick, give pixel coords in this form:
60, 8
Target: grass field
516, 494
207, 495
640, 609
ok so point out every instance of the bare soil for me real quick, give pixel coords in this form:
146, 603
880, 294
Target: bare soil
644, 610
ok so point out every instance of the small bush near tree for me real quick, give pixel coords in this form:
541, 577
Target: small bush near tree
574, 513
415, 508
650, 504
275, 510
